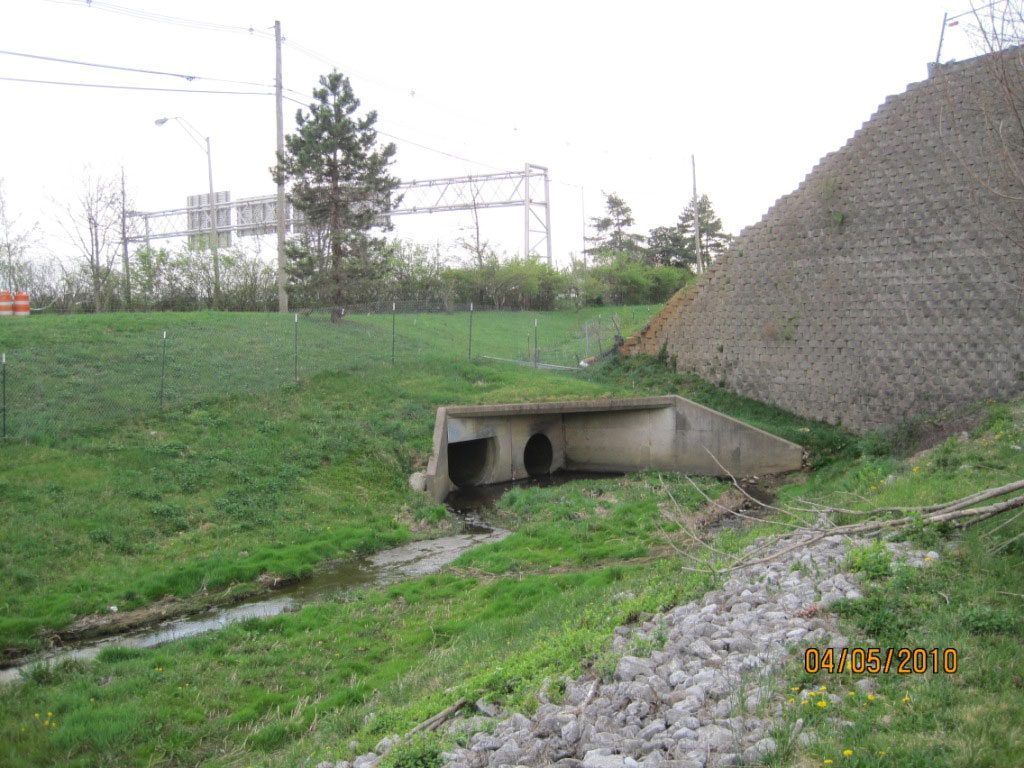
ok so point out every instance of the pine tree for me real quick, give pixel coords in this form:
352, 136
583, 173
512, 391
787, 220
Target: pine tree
713, 240
611, 231
341, 187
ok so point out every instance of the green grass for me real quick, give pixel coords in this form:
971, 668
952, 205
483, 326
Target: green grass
220, 490
76, 373
224, 492
970, 599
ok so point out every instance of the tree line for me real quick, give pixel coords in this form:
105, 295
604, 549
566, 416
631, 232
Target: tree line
340, 183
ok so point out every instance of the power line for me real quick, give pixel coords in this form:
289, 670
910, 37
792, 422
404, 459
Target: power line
133, 87
326, 60
162, 17
213, 26
190, 78
422, 146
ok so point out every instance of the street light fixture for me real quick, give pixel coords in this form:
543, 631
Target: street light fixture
204, 144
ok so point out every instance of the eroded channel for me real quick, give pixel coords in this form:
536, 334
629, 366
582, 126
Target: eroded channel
389, 566
419, 558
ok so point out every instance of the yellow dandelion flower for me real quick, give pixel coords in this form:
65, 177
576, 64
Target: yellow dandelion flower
822, 703
917, 469
49, 714
812, 694
803, 701
882, 753
822, 688
826, 761
906, 699
36, 715
871, 697
851, 693
791, 699
795, 689
847, 753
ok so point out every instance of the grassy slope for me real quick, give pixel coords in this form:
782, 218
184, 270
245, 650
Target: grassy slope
378, 661
221, 491
80, 372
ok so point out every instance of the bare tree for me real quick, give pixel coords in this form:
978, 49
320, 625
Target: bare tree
478, 249
982, 124
92, 223
15, 241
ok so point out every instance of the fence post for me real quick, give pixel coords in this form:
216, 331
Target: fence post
163, 366
471, 331
3, 390
600, 344
536, 356
296, 347
393, 315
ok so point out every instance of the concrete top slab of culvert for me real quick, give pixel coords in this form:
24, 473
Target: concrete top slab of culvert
494, 443
564, 406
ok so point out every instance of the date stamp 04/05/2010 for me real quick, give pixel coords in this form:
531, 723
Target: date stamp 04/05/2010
903, 661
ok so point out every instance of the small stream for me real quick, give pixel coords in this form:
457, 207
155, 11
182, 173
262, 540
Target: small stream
389, 566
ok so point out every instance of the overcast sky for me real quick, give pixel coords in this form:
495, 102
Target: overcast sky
609, 96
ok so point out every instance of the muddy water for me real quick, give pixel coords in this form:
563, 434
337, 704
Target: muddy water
408, 561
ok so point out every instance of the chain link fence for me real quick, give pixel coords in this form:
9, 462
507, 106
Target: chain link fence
72, 373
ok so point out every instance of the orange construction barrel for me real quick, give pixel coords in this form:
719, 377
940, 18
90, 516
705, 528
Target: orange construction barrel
21, 306
6, 303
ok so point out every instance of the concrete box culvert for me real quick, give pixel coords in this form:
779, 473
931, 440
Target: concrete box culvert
485, 444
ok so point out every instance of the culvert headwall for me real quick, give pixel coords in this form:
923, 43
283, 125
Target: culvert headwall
484, 444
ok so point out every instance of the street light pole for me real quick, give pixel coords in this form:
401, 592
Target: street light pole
214, 235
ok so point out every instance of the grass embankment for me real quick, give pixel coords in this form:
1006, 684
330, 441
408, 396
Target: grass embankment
75, 373
538, 605
247, 474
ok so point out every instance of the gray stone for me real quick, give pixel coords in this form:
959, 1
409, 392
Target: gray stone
715, 737
761, 749
482, 742
603, 758
866, 685
629, 667
487, 708
507, 754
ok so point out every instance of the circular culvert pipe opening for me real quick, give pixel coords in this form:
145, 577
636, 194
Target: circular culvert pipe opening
468, 460
537, 455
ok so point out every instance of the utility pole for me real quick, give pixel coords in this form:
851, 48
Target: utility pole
124, 244
696, 217
282, 293
214, 236
942, 36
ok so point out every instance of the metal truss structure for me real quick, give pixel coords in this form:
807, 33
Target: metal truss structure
255, 216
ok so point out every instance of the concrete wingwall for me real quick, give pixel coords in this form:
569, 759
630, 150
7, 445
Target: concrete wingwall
889, 283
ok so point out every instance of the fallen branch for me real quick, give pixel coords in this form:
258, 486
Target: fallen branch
435, 722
